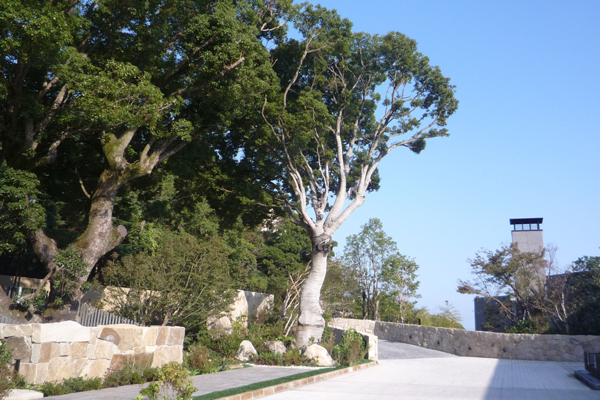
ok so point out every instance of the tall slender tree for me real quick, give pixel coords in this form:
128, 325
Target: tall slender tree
329, 138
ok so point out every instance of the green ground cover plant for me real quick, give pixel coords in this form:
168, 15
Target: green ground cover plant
130, 375
260, 385
8, 379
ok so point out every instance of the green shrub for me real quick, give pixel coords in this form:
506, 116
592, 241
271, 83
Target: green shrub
71, 385
328, 340
200, 360
294, 357
173, 383
130, 375
5, 374
223, 344
351, 350
289, 358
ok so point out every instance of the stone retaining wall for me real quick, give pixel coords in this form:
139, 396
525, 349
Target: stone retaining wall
56, 351
478, 343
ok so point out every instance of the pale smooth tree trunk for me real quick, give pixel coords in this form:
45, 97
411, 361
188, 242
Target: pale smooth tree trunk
311, 323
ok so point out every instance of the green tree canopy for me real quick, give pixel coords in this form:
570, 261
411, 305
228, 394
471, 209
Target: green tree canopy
323, 137
96, 94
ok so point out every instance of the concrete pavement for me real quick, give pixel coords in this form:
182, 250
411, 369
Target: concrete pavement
427, 374
405, 372
204, 383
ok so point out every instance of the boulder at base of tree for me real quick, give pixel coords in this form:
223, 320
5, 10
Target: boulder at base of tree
246, 351
320, 355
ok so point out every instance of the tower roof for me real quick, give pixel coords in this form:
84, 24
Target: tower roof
517, 221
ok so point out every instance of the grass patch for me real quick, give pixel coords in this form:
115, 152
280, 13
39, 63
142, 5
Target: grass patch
272, 382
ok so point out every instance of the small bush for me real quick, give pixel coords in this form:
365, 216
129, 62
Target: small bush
200, 360
289, 358
328, 340
173, 383
72, 385
223, 344
351, 350
294, 357
130, 376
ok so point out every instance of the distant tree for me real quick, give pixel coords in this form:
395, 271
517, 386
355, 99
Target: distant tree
520, 301
402, 283
584, 301
447, 318
340, 295
379, 269
508, 275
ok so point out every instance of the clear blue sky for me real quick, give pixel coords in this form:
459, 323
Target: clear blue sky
524, 142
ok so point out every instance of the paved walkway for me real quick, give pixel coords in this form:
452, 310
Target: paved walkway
408, 372
405, 372
204, 383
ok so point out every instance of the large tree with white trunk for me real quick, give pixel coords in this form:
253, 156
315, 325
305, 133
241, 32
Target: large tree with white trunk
346, 101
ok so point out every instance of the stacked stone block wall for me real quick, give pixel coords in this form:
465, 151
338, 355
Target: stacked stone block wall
56, 351
477, 343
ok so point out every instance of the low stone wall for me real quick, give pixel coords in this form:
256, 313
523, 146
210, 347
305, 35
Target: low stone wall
56, 351
477, 343
246, 304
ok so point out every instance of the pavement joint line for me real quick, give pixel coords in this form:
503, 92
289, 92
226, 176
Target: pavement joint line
257, 393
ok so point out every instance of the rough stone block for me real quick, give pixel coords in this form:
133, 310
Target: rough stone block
9, 330
120, 361
94, 368
48, 351
35, 352
34, 373
319, 354
65, 349
28, 371
166, 354
144, 350
176, 336
60, 368
276, 346
104, 350
150, 335
20, 346
163, 335
110, 335
246, 351
66, 331
23, 394
78, 349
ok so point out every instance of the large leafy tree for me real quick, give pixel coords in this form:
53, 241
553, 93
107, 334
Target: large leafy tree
108, 89
327, 134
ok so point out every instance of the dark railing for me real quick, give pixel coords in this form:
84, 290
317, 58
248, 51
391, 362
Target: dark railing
92, 316
592, 363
